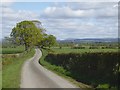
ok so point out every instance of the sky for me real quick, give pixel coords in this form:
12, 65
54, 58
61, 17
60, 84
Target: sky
65, 20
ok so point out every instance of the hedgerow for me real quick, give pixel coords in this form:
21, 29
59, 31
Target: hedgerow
89, 68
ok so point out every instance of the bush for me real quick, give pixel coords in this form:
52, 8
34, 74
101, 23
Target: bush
89, 68
93, 47
79, 47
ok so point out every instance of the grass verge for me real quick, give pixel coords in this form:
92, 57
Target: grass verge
11, 69
60, 71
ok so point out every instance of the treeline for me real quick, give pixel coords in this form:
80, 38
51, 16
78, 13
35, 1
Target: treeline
90, 44
90, 68
95, 47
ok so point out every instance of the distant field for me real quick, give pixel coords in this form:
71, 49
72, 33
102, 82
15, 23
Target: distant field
69, 50
8, 50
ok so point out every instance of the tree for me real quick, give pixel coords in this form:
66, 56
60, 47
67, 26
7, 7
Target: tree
48, 41
8, 41
26, 33
51, 40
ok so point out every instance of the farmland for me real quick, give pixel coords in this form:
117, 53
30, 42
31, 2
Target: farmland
12, 50
65, 62
69, 50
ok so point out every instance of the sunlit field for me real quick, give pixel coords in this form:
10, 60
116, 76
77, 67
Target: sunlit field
70, 50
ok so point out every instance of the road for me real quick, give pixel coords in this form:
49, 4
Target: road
36, 76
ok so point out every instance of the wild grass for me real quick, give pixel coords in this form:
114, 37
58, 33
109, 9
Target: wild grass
11, 69
0, 77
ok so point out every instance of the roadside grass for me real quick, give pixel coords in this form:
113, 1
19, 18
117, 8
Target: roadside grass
61, 71
0, 77
11, 68
9, 50
69, 50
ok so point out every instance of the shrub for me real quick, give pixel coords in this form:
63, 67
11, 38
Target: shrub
89, 68
79, 47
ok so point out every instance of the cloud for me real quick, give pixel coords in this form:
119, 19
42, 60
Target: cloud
11, 14
68, 20
116, 5
10, 17
65, 12
6, 3
91, 5
81, 10
77, 28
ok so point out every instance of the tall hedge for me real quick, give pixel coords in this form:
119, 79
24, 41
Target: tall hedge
89, 68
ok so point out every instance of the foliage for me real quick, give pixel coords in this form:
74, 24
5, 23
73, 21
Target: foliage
11, 68
89, 68
48, 41
60, 70
87, 45
31, 33
9, 42
26, 33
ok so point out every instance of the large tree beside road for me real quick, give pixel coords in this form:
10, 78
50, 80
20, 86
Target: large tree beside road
29, 34
26, 33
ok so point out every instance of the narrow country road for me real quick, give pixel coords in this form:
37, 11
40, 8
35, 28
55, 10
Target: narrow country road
36, 76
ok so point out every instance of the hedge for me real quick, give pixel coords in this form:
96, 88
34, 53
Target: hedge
89, 68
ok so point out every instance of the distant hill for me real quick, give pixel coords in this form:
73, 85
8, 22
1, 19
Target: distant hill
91, 40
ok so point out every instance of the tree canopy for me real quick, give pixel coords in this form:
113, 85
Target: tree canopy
48, 41
30, 33
26, 33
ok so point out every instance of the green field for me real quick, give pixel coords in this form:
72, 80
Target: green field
69, 50
11, 67
9, 50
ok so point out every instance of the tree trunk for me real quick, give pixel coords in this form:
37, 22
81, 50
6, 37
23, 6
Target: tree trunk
26, 47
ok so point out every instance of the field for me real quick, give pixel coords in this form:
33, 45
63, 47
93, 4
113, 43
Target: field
11, 66
9, 50
53, 58
69, 50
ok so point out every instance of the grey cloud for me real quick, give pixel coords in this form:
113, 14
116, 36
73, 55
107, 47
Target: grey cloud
77, 28
69, 20
81, 10
10, 17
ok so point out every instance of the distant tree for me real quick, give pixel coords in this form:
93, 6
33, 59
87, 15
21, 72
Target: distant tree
26, 33
8, 42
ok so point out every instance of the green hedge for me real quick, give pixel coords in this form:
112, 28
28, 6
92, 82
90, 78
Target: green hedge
89, 68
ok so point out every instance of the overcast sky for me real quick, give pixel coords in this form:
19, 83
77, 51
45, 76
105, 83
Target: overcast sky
65, 20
